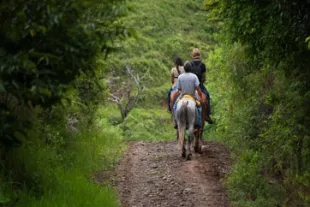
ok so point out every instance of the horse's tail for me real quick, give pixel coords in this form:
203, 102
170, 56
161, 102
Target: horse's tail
182, 113
182, 119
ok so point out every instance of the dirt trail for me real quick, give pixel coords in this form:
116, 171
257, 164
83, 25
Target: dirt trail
153, 174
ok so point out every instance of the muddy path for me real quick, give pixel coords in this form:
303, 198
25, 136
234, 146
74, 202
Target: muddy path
153, 174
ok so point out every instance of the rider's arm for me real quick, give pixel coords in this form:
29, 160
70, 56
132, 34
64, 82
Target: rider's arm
203, 77
198, 91
203, 72
172, 78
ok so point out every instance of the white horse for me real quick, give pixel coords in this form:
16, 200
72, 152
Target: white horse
186, 116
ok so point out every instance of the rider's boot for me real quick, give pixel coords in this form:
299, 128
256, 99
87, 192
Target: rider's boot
209, 120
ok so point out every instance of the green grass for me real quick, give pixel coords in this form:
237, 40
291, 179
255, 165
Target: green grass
61, 174
73, 189
148, 124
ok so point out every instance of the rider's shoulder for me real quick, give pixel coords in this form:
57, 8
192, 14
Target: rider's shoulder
182, 75
181, 68
197, 62
192, 74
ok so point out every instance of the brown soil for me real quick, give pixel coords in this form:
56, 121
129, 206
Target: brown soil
153, 174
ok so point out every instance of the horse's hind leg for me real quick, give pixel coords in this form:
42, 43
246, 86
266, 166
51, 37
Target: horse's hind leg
181, 130
197, 145
190, 141
189, 154
184, 149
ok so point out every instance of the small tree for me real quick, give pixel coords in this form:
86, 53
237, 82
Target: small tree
125, 93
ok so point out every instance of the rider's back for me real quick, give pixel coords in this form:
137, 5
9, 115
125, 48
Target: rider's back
187, 83
198, 68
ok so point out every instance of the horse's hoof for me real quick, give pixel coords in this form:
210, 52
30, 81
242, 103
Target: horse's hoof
198, 150
189, 157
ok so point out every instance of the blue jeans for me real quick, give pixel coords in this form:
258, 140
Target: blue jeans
205, 91
169, 101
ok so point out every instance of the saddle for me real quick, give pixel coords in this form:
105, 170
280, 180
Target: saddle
198, 103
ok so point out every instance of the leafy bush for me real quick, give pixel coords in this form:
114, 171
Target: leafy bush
51, 53
45, 46
56, 164
262, 104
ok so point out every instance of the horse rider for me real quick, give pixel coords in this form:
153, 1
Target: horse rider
175, 72
188, 82
199, 69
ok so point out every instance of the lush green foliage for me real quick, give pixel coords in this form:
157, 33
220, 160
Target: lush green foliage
63, 167
155, 125
55, 83
55, 165
163, 31
50, 88
45, 45
261, 75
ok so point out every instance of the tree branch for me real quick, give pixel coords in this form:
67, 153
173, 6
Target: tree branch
131, 100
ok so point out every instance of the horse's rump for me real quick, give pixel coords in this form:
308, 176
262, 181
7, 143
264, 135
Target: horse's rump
186, 116
186, 110
197, 109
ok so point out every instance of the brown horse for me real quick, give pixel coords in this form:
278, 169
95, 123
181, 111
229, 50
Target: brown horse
199, 130
173, 97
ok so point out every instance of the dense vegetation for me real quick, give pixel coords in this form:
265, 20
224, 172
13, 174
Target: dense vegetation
261, 73
79, 78
63, 66
50, 88
163, 31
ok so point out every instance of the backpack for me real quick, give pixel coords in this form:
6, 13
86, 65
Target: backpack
196, 69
